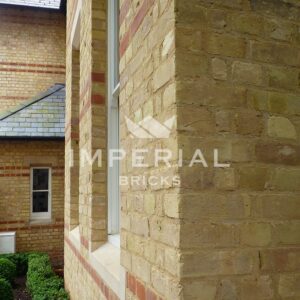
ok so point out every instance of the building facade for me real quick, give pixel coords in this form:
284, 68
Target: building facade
32, 107
170, 76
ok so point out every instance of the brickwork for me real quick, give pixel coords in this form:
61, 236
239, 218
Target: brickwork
236, 67
32, 53
16, 159
86, 127
150, 232
227, 70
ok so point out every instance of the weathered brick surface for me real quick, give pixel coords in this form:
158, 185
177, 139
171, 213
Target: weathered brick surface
240, 221
227, 70
32, 53
16, 158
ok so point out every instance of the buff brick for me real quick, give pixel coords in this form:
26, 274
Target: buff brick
256, 234
279, 153
171, 205
247, 23
275, 53
254, 178
191, 65
214, 206
227, 45
289, 286
218, 262
219, 68
249, 122
225, 179
228, 290
288, 232
258, 288
286, 78
217, 18
163, 74
198, 235
247, 73
194, 288
277, 206
171, 257
141, 268
281, 127
280, 260
279, 30
149, 204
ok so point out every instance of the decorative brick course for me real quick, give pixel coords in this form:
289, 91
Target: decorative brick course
15, 161
34, 46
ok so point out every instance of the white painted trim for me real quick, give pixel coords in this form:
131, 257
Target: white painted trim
74, 236
114, 239
113, 117
75, 31
44, 215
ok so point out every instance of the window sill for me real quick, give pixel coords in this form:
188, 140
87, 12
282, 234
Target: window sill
40, 221
74, 236
106, 261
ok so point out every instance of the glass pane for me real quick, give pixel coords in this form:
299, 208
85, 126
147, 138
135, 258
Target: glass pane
40, 179
39, 202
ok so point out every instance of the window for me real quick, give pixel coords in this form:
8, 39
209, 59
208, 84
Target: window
40, 193
113, 117
55, 4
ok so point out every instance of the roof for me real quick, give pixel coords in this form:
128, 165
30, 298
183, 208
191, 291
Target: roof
40, 117
54, 4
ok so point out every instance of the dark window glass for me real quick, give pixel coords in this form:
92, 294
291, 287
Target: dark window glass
40, 179
40, 202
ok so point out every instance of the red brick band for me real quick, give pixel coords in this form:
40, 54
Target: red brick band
18, 64
31, 71
84, 242
33, 226
135, 24
107, 292
15, 175
13, 98
124, 10
26, 168
95, 98
139, 289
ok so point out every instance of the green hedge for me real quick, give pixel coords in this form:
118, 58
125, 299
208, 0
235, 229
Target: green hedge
20, 260
7, 269
6, 291
42, 282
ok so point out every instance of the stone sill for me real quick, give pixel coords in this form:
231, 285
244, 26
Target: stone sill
106, 262
40, 221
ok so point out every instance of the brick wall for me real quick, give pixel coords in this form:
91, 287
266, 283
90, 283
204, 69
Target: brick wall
86, 130
150, 231
16, 158
224, 233
32, 53
237, 90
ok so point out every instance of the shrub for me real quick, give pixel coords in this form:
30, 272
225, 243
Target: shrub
6, 292
7, 269
42, 282
20, 260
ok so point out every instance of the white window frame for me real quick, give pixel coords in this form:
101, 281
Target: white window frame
113, 122
41, 215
